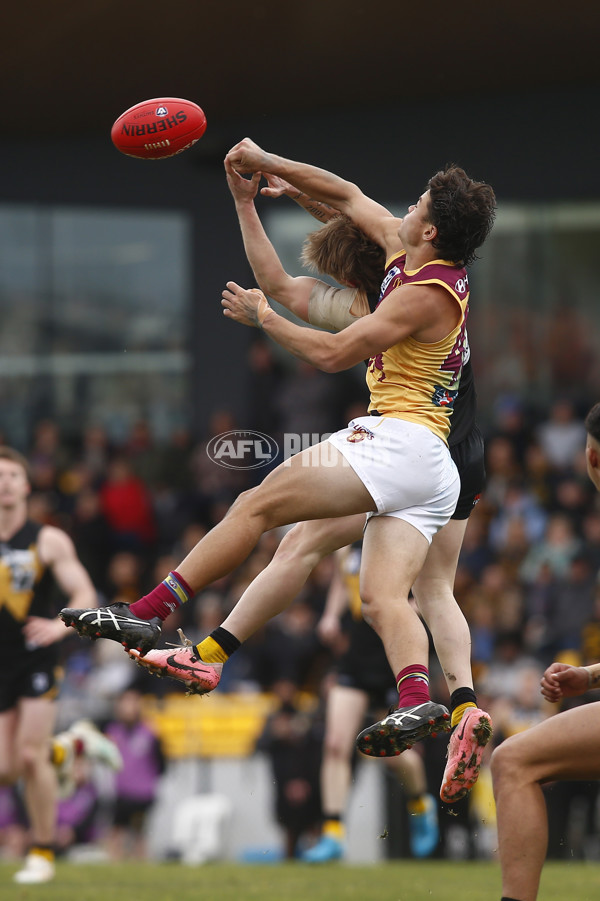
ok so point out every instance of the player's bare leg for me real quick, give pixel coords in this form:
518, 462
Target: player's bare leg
566, 746
299, 551
34, 727
393, 554
315, 484
433, 590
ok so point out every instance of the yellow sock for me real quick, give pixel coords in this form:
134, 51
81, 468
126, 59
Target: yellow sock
211, 651
457, 713
334, 829
48, 853
415, 806
58, 753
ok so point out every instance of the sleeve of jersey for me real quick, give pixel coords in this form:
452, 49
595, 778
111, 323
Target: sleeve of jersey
329, 307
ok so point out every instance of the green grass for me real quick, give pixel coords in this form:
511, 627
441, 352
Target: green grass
394, 881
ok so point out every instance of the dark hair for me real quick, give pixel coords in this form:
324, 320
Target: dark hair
462, 210
8, 453
592, 422
341, 250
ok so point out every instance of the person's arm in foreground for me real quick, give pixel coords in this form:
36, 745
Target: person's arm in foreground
561, 680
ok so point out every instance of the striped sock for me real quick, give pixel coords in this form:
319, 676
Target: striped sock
164, 599
413, 685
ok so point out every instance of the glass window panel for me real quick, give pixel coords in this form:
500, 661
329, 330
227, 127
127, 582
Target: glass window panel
94, 306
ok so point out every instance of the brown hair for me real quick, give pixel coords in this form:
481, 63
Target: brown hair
462, 210
341, 250
9, 453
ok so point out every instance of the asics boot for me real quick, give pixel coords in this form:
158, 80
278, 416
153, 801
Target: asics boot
402, 728
117, 623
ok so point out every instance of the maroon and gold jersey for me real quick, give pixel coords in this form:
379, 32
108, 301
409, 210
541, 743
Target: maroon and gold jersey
415, 381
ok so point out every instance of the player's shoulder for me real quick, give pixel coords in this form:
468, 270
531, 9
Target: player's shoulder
53, 543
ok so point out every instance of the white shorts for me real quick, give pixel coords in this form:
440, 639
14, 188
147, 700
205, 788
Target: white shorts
407, 470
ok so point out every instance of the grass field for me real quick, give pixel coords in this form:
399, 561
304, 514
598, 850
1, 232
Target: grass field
394, 881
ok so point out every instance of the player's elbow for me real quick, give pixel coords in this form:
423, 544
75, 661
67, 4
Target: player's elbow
331, 360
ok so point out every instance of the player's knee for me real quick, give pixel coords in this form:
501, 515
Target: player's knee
505, 762
301, 545
335, 748
373, 608
30, 758
262, 506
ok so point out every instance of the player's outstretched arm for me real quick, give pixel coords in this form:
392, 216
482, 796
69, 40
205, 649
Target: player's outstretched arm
373, 218
390, 323
292, 293
279, 187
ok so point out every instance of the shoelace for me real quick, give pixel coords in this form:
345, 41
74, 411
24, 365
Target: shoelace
184, 643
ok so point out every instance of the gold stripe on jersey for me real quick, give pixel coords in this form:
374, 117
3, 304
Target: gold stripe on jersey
19, 572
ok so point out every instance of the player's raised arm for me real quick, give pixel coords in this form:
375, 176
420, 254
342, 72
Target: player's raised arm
373, 218
292, 293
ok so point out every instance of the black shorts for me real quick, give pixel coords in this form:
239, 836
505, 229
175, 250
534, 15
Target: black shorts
365, 667
130, 813
32, 674
470, 462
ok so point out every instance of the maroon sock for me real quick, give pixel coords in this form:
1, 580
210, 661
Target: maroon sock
413, 685
163, 599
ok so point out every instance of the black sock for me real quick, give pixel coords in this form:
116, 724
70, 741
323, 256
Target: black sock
462, 696
226, 640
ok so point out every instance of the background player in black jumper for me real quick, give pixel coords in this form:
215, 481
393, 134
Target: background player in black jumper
31, 555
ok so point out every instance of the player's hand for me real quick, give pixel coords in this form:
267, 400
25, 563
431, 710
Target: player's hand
248, 306
278, 187
39, 632
248, 157
563, 681
244, 190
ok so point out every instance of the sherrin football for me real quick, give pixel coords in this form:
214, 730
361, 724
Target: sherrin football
159, 128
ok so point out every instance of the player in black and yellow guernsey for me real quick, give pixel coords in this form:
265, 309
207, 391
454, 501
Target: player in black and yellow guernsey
31, 555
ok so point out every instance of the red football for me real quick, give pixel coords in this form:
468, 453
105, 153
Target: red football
156, 129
